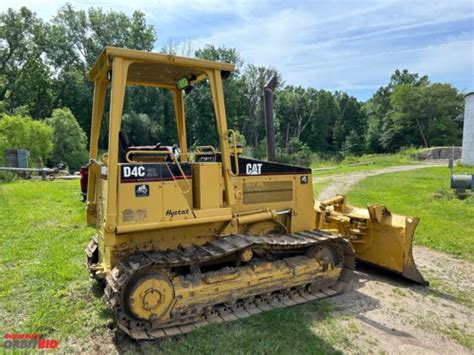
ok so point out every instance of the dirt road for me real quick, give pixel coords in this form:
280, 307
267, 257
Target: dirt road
342, 183
387, 315
383, 314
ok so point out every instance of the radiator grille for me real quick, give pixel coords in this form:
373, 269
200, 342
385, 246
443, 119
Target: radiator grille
270, 191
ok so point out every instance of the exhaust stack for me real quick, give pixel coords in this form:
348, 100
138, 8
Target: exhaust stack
268, 109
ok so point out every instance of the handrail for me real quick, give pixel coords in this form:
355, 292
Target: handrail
236, 157
104, 158
161, 152
202, 149
145, 152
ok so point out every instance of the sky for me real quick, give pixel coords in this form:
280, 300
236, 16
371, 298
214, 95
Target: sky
352, 46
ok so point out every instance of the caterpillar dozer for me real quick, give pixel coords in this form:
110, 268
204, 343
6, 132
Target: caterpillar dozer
187, 238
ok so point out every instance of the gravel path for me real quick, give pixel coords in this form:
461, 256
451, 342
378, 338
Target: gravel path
384, 314
343, 183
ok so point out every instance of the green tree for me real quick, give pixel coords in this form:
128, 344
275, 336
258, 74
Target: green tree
70, 141
21, 132
202, 128
24, 77
199, 108
326, 114
78, 36
405, 77
72, 89
351, 118
411, 111
426, 115
139, 129
376, 110
157, 105
33, 89
75, 38
44, 65
252, 122
295, 109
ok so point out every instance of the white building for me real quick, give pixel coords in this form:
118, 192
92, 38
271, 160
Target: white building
468, 134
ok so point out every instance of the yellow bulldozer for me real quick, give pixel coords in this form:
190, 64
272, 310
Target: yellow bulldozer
187, 238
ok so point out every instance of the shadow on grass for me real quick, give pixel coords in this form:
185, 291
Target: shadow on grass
280, 331
97, 288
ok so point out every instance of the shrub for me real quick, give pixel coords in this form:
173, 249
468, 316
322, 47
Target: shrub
3, 146
7, 176
353, 145
22, 132
70, 141
260, 151
297, 153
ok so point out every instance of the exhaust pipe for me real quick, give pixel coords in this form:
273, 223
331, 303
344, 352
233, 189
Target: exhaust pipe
268, 110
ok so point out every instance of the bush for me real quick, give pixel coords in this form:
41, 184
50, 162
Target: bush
70, 141
3, 146
260, 151
7, 176
297, 153
22, 132
353, 145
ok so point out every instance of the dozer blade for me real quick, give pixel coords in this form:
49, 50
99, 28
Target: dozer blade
378, 237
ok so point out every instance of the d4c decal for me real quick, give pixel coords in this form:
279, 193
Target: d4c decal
135, 171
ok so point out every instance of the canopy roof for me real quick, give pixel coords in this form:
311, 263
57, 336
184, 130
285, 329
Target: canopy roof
154, 68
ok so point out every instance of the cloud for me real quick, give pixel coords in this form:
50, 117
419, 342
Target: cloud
343, 45
340, 48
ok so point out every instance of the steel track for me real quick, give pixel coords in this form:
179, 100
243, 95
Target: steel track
118, 278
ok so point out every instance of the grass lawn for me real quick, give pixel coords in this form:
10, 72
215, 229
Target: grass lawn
447, 223
44, 287
43, 284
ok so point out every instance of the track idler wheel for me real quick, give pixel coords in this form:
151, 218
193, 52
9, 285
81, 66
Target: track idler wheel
326, 255
150, 296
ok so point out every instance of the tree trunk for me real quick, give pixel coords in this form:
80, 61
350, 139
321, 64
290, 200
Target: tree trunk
421, 132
